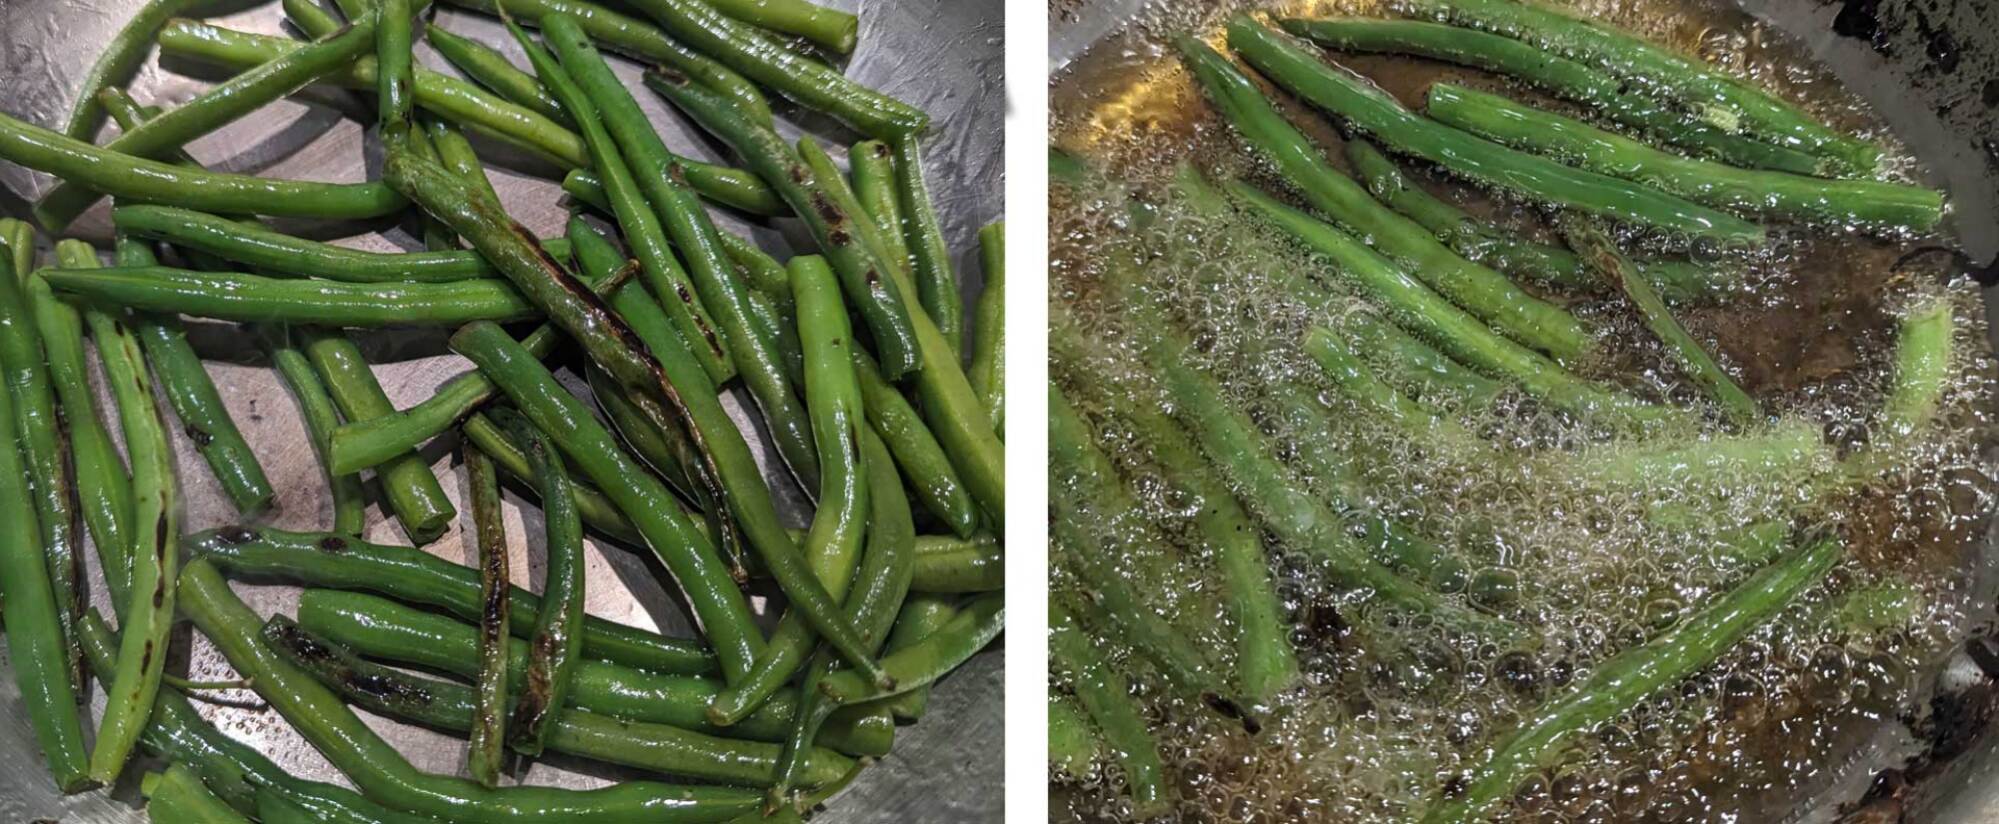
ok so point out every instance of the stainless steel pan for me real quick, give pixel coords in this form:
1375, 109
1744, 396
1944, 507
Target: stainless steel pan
944, 57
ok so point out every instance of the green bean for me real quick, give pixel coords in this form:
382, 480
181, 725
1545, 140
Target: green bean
365, 443
387, 631
555, 647
1108, 700
382, 773
724, 614
152, 559
831, 28
1922, 367
936, 283
750, 196
957, 565
1416, 307
1567, 78
203, 417
256, 299
1781, 447
321, 419
457, 154
810, 84
104, 488
493, 70
487, 745
868, 282
395, 69
37, 648
837, 189
1287, 62
1725, 102
118, 63
277, 253
411, 489
921, 615
1677, 281
1483, 292
1265, 661
657, 449
641, 225
871, 166
1091, 497
1073, 745
1622, 681
414, 576
833, 544
699, 243
596, 510
450, 707
44, 439
988, 369
1300, 520
1597, 249
920, 665
177, 796
1741, 191
1417, 367
636, 38
1371, 393
238, 96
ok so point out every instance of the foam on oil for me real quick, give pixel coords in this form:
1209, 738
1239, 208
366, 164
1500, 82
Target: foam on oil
1542, 526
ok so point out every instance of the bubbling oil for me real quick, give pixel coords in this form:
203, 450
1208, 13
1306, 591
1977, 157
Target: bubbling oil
1393, 707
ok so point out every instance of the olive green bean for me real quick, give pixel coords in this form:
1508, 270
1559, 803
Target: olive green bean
975, 626
1600, 253
383, 774
923, 461
104, 488
831, 28
556, 644
457, 154
871, 167
958, 565
936, 283
411, 489
177, 796
921, 615
488, 734
450, 707
1073, 746
596, 510
988, 370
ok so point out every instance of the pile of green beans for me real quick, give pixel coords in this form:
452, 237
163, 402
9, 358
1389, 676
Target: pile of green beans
530, 673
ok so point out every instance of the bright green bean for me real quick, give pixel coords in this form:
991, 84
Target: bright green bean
493, 70
177, 796
871, 167
1741, 191
936, 283
868, 282
811, 84
1922, 367
957, 565
1291, 65
662, 272
921, 615
1726, 102
118, 63
1597, 250
383, 774
916, 449
411, 489
988, 370
277, 253
1622, 681
1481, 291
240, 95
695, 236
981, 620
103, 485
1072, 743
831, 28
321, 419
153, 557
256, 299
203, 416
1567, 78
723, 612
